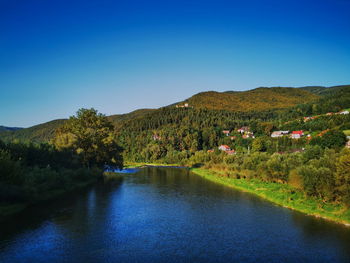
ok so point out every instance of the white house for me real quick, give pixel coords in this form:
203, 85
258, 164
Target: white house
277, 134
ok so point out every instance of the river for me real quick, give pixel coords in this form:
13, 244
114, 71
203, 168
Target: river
169, 215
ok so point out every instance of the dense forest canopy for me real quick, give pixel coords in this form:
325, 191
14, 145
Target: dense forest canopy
252, 100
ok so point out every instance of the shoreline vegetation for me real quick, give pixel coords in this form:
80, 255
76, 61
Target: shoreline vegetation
280, 194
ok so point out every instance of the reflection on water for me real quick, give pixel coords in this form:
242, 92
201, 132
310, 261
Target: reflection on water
169, 215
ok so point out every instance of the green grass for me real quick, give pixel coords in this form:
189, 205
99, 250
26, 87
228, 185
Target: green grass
281, 194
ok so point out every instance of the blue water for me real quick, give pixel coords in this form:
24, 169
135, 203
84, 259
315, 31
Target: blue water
169, 215
123, 171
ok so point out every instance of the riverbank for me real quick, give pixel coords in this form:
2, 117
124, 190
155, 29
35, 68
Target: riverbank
141, 165
281, 194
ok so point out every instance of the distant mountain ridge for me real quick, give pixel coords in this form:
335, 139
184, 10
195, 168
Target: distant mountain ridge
260, 99
320, 90
5, 128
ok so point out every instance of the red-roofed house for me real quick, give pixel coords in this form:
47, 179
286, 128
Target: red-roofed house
224, 148
297, 134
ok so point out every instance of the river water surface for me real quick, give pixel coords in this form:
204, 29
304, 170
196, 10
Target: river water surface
169, 215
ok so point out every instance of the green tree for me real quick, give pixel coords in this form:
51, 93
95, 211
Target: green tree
10, 170
258, 144
331, 139
91, 135
343, 176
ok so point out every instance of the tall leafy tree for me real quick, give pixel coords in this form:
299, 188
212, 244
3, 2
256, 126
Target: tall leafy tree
91, 135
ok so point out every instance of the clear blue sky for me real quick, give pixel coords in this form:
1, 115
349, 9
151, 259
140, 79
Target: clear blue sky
117, 56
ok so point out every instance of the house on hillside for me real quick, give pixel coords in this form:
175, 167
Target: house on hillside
224, 147
226, 132
210, 151
344, 112
182, 106
296, 134
277, 134
243, 129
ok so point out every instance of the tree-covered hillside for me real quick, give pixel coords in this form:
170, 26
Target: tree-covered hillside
258, 106
128, 116
319, 90
35, 134
252, 100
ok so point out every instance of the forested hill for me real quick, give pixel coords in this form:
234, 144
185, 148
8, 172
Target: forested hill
45, 131
36, 134
252, 100
320, 90
215, 109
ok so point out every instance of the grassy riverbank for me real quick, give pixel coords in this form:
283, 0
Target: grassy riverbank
281, 194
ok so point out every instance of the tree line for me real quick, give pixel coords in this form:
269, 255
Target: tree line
77, 156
